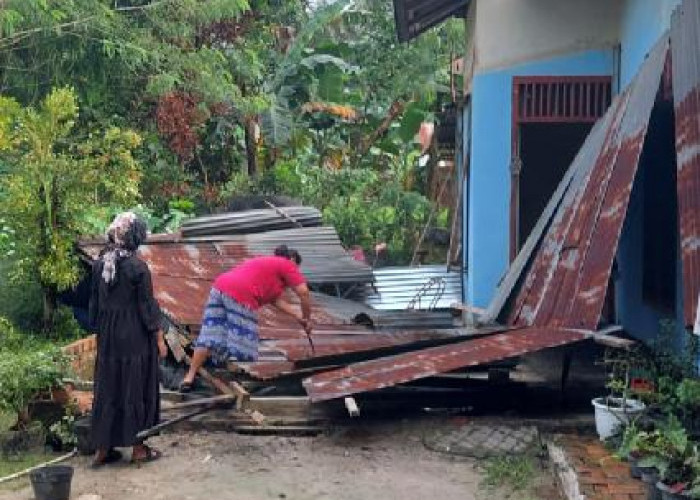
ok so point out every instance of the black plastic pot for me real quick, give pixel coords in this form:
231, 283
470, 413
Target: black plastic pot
52, 482
650, 476
667, 494
83, 431
635, 470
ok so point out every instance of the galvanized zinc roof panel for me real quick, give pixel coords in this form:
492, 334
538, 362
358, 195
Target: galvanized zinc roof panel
568, 281
402, 368
685, 43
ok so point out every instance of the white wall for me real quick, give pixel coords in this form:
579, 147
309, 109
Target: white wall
509, 32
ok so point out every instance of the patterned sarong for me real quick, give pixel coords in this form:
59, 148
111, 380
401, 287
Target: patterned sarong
229, 330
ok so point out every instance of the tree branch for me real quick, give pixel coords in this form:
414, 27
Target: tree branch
395, 110
21, 35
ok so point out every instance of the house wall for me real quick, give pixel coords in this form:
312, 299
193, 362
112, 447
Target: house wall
642, 23
488, 199
513, 32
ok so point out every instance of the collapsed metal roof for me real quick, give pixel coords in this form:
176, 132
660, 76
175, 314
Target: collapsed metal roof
184, 269
685, 40
568, 280
562, 294
390, 371
555, 300
252, 221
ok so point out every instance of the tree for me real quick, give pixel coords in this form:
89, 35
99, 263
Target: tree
52, 178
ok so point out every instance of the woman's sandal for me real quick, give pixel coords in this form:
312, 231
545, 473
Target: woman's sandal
111, 457
151, 455
185, 387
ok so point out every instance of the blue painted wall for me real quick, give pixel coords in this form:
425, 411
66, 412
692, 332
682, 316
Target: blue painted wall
643, 22
488, 198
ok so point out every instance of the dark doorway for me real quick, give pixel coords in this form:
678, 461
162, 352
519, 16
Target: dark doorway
552, 116
660, 245
546, 151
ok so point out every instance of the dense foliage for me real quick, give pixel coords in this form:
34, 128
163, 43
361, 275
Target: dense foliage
53, 176
28, 366
224, 97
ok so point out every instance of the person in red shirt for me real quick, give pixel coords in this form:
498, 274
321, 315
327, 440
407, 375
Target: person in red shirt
230, 326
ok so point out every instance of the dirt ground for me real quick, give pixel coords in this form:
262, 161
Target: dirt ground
366, 461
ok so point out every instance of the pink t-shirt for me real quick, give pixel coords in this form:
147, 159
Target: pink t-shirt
259, 281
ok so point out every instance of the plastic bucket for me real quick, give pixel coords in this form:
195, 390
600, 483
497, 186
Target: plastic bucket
609, 418
83, 433
52, 482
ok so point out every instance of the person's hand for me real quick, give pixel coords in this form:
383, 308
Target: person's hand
162, 348
306, 323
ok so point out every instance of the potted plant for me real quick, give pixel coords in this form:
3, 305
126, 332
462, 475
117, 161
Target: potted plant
688, 401
671, 453
26, 372
635, 446
617, 409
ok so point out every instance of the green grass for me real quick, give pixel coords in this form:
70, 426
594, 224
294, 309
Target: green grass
516, 473
24, 461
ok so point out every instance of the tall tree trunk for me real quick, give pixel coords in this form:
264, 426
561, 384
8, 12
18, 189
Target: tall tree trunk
251, 146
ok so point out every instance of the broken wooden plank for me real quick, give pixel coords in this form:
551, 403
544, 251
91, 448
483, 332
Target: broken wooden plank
169, 423
270, 430
172, 338
242, 396
290, 406
215, 400
351, 406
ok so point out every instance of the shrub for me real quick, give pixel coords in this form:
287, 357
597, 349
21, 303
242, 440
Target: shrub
28, 366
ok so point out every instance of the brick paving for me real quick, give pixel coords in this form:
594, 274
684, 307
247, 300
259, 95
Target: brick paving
601, 475
480, 440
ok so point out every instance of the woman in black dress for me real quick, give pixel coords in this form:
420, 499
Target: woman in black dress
127, 320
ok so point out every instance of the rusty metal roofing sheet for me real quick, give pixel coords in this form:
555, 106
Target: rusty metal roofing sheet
330, 344
685, 43
578, 170
402, 368
183, 272
420, 288
568, 281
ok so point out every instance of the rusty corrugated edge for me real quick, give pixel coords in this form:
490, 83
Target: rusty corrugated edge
583, 306
685, 43
568, 281
402, 368
567, 185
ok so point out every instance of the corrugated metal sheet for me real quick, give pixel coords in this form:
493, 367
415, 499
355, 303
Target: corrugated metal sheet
564, 291
685, 42
331, 344
402, 368
579, 169
413, 17
183, 272
568, 281
324, 258
252, 221
420, 288
407, 319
